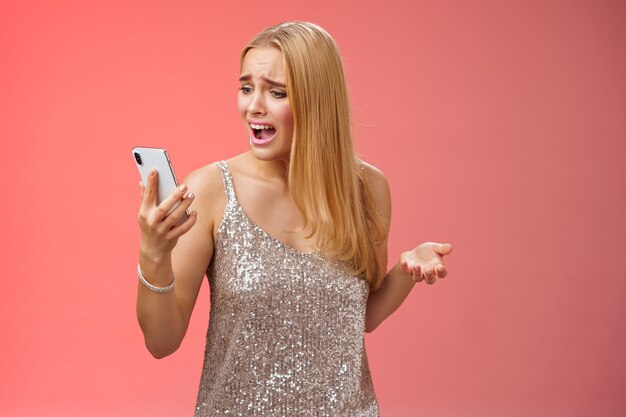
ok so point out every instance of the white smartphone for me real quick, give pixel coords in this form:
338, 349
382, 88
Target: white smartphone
148, 158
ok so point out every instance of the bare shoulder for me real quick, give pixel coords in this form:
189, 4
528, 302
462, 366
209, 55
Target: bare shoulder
207, 184
377, 181
379, 186
205, 179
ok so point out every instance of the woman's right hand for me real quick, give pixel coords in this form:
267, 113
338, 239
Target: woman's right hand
160, 229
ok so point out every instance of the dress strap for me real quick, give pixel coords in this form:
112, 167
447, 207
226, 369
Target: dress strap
229, 188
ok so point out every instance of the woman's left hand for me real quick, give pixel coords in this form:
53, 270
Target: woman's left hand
425, 262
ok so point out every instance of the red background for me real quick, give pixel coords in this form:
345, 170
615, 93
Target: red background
499, 124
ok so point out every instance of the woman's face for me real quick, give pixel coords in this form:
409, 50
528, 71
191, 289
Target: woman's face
264, 105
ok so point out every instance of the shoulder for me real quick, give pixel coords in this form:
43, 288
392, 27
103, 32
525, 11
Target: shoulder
205, 181
207, 184
379, 187
376, 180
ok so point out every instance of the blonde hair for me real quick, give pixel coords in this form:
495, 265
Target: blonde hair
326, 179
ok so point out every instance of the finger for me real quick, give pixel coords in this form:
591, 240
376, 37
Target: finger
441, 271
443, 249
430, 276
149, 191
164, 209
184, 227
143, 208
174, 217
417, 273
405, 267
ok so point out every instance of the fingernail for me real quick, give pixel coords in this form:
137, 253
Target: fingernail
190, 195
182, 187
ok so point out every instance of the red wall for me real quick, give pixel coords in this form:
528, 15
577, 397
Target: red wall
499, 124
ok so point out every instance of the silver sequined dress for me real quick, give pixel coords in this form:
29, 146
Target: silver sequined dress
286, 328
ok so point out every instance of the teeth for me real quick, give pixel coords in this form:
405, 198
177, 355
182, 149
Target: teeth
259, 127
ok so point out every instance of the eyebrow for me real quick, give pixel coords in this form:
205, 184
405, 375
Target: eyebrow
267, 80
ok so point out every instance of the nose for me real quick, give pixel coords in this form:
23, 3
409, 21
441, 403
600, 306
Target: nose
257, 103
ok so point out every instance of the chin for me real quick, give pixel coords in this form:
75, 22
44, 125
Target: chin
269, 155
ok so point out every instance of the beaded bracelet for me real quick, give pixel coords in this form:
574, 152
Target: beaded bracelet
154, 288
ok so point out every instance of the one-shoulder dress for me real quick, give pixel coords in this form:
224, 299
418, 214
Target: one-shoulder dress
286, 328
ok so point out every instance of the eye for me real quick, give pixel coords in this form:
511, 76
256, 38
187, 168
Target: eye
246, 89
278, 94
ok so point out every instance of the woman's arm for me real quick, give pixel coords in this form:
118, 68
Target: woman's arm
183, 250
423, 262
384, 301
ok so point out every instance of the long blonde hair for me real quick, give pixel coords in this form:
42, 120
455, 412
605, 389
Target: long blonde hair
326, 179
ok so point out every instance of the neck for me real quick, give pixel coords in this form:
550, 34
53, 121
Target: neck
275, 169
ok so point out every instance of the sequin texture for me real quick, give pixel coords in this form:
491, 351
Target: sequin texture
286, 328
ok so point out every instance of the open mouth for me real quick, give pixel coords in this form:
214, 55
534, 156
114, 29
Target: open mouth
262, 132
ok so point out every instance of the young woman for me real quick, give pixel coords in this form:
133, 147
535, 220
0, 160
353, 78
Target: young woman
292, 235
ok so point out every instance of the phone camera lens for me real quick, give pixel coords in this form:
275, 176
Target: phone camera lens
138, 158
